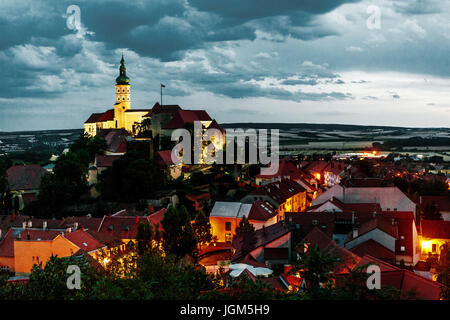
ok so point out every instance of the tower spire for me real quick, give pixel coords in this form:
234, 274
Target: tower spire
122, 78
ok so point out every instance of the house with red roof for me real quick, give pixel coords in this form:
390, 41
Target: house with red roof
24, 181
389, 236
285, 196
261, 244
164, 159
226, 216
402, 279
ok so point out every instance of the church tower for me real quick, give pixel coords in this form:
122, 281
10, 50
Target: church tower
122, 96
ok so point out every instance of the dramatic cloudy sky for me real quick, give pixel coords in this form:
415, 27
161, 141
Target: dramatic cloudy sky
381, 62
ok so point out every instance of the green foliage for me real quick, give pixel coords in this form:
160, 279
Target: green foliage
202, 228
4, 189
244, 288
148, 237
178, 235
244, 227
172, 280
317, 267
131, 178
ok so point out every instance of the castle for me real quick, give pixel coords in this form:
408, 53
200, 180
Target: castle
122, 116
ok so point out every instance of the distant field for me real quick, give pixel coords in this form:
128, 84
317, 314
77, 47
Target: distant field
335, 137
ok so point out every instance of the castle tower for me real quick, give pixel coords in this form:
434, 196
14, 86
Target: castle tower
122, 96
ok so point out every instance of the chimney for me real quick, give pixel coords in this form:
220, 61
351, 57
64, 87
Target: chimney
355, 232
44, 225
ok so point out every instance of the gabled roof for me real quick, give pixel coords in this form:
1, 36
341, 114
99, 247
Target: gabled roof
249, 242
405, 280
181, 117
164, 158
374, 249
280, 191
286, 170
121, 227
25, 177
94, 118
156, 218
379, 222
101, 117
84, 240
435, 229
167, 108
261, 211
307, 221
105, 161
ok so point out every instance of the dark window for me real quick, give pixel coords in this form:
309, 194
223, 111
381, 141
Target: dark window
228, 226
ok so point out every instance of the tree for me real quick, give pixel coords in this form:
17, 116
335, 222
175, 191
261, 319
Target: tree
202, 228
4, 188
431, 212
178, 235
244, 227
317, 267
130, 179
148, 238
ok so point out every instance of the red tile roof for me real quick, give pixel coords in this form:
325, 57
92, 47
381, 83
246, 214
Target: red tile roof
104, 161
7, 245
157, 217
249, 242
435, 229
94, 118
374, 249
261, 211
404, 280
84, 240
164, 157
280, 191
25, 177
121, 227
305, 221
181, 117
167, 108
286, 170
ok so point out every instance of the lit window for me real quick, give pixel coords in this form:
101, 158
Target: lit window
402, 248
227, 237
